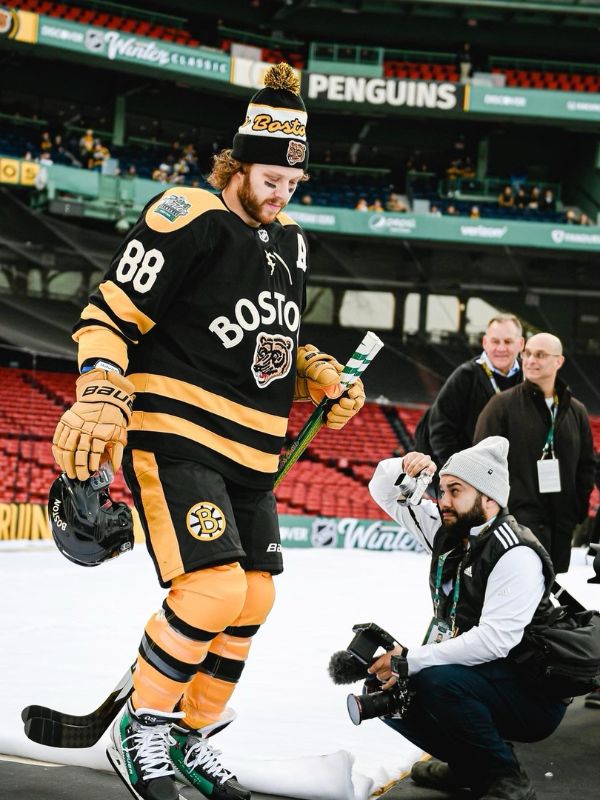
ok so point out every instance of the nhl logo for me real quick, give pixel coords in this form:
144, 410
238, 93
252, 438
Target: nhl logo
324, 533
94, 41
263, 235
296, 153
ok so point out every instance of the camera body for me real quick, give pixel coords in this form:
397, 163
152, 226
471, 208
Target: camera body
351, 665
369, 637
412, 489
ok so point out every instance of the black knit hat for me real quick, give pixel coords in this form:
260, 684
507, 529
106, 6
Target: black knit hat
274, 131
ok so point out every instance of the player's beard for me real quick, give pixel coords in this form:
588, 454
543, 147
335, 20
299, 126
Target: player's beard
460, 525
252, 205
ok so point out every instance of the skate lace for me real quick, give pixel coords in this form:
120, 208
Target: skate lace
202, 754
151, 745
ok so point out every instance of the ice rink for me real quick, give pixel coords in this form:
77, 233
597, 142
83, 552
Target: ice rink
68, 634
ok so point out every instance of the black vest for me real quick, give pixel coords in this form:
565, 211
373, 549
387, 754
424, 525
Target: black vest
480, 558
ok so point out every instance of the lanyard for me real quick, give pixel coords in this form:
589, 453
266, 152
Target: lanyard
490, 375
548, 449
455, 592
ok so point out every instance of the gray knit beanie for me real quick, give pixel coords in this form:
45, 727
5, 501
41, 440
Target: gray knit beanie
484, 466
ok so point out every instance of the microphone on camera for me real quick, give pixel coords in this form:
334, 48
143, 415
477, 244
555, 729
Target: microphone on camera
345, 668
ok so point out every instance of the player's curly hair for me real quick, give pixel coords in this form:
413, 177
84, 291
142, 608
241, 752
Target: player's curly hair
225, 166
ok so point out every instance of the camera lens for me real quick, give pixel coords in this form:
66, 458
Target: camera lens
369, 706
354, 708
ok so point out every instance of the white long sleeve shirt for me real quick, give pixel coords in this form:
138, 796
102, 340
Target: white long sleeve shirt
514, 589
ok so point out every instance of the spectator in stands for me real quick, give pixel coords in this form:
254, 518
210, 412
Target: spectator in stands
160, 175
469, 699
377, 205
547, 201
306, 200
521, 198
465, 62
547, 426
362, 204
452, 211
86, 146
45, 159
474, 213
100, 154
506, 198
450, 423
584, 219
435, 210
535, 197
394, 203
571, 217
46, 142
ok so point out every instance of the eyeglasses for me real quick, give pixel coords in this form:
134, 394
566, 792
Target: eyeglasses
539, 355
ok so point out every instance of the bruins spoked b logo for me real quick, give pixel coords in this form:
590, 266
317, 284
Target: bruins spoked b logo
205, 521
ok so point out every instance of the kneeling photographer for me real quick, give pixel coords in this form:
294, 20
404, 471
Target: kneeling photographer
490, 578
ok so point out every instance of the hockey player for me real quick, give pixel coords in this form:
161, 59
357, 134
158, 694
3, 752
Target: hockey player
200, 310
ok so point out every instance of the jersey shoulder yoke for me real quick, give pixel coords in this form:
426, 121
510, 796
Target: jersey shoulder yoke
179, 206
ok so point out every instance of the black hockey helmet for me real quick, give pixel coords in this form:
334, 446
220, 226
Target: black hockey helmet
87, 526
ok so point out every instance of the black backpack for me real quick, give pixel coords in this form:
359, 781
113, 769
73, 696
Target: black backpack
563, 654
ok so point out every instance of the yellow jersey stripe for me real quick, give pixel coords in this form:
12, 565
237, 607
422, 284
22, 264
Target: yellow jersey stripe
94, 312
156, 511
124, 307
209, 401
243, 454
198, 200
96, 341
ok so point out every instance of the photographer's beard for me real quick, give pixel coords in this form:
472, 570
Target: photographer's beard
458, 526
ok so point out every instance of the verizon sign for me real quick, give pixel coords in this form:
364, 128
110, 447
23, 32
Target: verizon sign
382, 91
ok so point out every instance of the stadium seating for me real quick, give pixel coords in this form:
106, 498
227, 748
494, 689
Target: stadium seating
393, 68
330, 480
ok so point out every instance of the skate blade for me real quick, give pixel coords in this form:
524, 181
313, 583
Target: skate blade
116, 763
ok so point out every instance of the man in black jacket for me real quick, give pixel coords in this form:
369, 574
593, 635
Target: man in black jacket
551, 458
451, 421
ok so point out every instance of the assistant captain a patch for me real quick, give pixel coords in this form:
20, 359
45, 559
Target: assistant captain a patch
172, 207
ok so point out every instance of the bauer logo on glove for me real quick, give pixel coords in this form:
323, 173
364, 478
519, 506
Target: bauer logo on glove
95, 425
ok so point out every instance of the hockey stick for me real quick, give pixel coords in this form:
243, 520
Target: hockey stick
354, 368
57, 729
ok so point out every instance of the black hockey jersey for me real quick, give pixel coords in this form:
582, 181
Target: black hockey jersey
202, 311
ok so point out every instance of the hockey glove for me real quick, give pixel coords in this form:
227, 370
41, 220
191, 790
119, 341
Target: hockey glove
95, 424
317, 375
349, 404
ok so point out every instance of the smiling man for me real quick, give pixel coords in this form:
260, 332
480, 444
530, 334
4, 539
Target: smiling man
198, 316
551, 459
450, 424
489, 579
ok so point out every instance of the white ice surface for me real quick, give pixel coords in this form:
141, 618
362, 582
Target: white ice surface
68, 634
